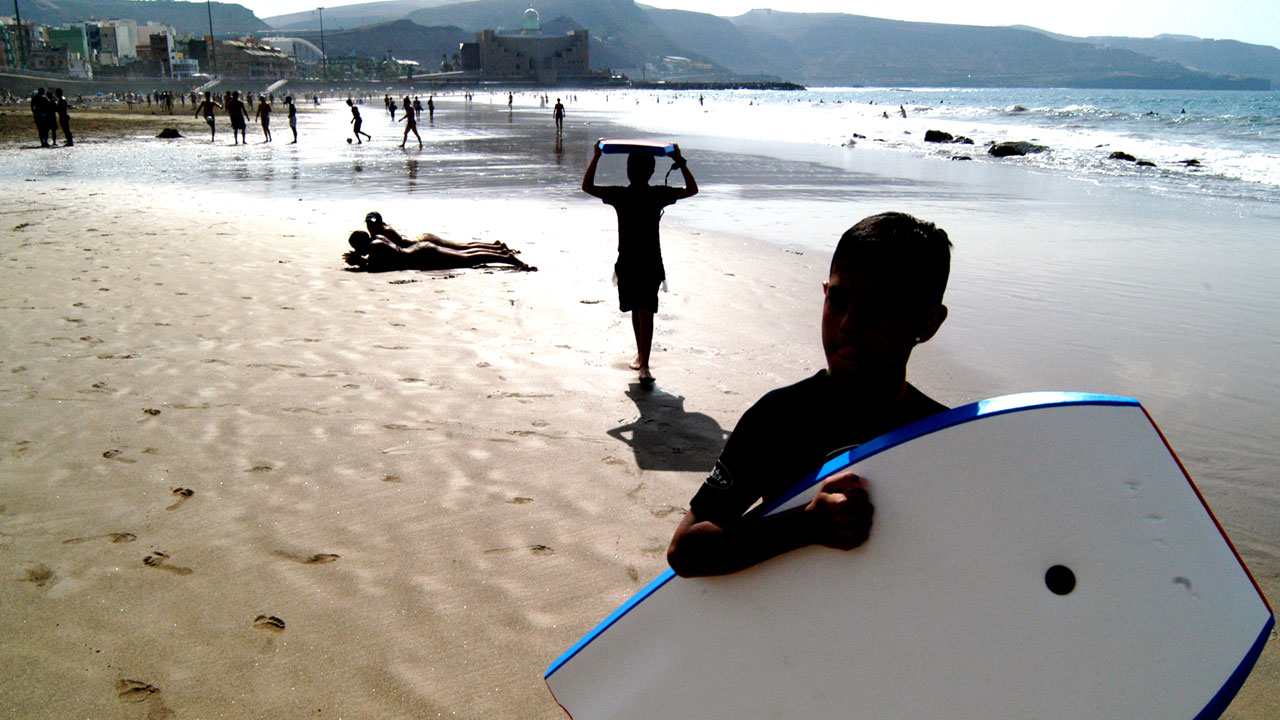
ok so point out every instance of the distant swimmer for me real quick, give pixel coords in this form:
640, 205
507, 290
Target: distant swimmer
378, 254
293, 117
902, 110
205, 110
639, 268
410, 121
263, 115
356, 122
238, 113
64, 116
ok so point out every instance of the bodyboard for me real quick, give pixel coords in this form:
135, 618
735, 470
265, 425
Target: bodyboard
1041, 555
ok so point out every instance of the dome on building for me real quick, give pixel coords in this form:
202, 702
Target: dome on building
530, 22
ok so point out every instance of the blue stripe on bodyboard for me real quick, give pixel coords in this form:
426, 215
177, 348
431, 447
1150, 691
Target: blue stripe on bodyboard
956, 416
609, 621
1227, 693
934, 423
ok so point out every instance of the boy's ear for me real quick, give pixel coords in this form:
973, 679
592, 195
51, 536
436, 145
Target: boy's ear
932, 320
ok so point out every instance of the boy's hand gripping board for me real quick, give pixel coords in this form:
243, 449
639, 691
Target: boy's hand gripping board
1032, 556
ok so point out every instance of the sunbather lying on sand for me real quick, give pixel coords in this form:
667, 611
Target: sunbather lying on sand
378, 254
379, 229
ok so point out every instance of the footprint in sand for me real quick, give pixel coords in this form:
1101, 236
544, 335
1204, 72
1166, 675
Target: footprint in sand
270, 623
317, 559
116, 538
519, 500
116, 455
137, 691
39, 575
160, 561
183, 494
259, 468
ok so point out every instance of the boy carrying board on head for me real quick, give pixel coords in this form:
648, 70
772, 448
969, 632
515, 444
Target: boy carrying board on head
883, 297
639, 269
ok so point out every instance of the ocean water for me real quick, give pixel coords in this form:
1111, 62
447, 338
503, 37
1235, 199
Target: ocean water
1235, 136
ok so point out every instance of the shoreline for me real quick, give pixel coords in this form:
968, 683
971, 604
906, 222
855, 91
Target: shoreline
468, 444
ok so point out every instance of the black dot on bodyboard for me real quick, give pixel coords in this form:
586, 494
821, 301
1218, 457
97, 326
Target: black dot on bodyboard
1060, 580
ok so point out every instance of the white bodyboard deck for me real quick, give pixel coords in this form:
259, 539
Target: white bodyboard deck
947, 612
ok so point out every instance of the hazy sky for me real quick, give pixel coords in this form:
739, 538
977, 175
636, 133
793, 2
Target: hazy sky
1255, 21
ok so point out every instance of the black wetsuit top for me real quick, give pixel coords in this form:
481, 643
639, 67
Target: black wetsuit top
787, 434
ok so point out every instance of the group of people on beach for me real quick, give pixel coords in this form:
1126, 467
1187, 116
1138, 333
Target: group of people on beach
882, 299
50, 110
238, 114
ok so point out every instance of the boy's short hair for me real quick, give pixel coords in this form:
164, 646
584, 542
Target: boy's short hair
915, 253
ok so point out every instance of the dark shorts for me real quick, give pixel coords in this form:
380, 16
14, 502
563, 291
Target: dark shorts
637, 288
237, 124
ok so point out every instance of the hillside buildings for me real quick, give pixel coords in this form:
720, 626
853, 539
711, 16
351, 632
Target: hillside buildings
528, 55
125, 48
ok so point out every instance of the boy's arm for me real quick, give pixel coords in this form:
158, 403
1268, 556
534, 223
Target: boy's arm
589, 178
690, 185
839, 516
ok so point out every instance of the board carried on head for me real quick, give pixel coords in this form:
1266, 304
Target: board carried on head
638, 147
1033, 556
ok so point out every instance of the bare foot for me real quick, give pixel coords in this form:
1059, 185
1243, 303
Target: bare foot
635, 363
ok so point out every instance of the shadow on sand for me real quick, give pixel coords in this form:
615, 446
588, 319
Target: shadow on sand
666, 436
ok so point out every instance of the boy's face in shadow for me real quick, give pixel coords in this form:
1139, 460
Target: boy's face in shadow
870, 324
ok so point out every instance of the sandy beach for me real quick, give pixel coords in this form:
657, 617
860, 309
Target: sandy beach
238, 480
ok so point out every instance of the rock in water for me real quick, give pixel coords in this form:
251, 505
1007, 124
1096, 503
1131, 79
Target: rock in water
1005, 149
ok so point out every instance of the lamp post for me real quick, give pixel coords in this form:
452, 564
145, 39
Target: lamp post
22, 41
213, 42
324, 59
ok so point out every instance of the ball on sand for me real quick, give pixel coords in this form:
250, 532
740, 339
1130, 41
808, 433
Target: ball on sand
348, 141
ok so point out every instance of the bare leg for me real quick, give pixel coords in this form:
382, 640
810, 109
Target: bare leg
642, 324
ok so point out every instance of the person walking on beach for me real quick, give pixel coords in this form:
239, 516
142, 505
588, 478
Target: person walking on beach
639, 269
64, 116
263, 115
239, 115
410, 123
356, 122
431, 109
205, 110
882, 298
293, 117
558, 113
510, 101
